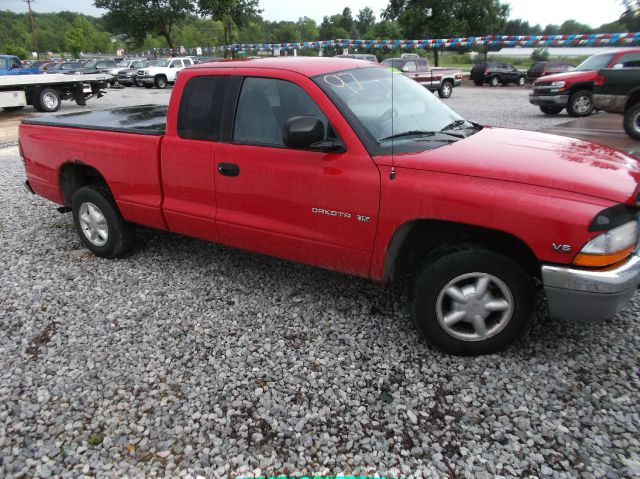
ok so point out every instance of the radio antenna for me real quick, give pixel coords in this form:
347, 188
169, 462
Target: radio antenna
392, 174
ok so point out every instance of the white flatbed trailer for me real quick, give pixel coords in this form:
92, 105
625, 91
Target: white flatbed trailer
46, 91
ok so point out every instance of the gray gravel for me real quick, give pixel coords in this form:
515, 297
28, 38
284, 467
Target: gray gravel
192, 359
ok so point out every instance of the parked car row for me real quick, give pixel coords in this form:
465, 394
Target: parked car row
573, 90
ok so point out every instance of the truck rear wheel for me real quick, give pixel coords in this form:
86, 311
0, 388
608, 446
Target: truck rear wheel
494, 81
99, 224
48, 100
478, 82
580, 103
632, 121
470, 300
445, 89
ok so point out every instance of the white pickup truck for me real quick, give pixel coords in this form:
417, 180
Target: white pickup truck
163, 73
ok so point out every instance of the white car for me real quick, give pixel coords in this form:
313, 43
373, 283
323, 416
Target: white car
163, 72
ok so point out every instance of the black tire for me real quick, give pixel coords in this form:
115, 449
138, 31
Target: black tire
478, 82
632, 121
494, 81
161, 82
551, 110
446, 266
580, 103
522, 81
48, 100
12, 108
146, 85
120, 234
445, 90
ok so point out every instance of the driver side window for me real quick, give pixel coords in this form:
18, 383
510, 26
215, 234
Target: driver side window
265, 105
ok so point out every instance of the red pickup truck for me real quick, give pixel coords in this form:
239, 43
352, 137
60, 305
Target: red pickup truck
308, 159
574, 90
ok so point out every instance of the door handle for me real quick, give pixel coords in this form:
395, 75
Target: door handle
228, 169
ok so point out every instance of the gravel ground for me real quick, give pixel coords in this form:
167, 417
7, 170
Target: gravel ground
192, 359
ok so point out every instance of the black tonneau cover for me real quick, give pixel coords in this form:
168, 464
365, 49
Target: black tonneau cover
142, 119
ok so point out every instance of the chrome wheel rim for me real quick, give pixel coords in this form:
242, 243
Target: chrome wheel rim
636, 122
494, 81
446, 89
93, 224
582, 104
50, 100
521, 81
474, 306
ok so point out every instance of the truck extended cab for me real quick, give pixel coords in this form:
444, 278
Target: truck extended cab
618, 91
162, 73
442, 80
308, 159
11, 65
574, 90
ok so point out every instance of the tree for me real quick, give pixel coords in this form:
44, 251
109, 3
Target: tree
521, 27
571, 26
346, 19
365, 20
308, 29
233, 14
540, 55
331, 28
447, 18
137, 18
631, 15
551, 29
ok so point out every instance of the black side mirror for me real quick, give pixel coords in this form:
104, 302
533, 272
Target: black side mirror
302, 132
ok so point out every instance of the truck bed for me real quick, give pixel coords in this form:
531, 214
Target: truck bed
143, 119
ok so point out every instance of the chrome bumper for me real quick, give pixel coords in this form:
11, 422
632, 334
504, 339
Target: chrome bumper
584, 295
548, 100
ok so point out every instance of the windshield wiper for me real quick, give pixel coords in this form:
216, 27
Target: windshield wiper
454, 124
418, 133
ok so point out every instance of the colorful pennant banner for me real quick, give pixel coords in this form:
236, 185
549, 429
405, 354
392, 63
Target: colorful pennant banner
579, 40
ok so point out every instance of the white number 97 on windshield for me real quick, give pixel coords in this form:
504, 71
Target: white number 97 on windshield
344, 80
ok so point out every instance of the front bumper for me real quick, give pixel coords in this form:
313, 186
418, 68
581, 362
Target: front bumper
548, 100
583, 295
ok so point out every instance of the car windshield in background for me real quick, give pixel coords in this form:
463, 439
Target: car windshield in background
394, 62
159, 63
91, 65
596, 62
407, 117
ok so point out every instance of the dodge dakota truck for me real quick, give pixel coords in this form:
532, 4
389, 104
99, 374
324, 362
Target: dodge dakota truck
618, 91
574, 90
310, 160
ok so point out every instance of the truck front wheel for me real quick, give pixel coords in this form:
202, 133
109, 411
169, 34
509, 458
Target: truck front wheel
580, 103
445, 89
470, 301
161, 82
99, 224
632, 121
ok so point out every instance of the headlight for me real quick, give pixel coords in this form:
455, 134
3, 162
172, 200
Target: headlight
558, 83
610, 247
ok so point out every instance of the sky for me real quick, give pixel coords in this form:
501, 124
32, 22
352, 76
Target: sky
591, 12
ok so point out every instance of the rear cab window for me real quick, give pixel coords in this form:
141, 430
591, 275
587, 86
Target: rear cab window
200, 107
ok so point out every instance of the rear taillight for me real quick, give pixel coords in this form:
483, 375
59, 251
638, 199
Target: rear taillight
486, 70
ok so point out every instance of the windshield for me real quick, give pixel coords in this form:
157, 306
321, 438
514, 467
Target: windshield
407, 118
596, 62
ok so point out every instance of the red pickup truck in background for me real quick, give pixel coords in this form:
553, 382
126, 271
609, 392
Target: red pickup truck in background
309, 160
574, 90
440, 79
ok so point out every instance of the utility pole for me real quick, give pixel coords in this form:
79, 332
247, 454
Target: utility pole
33, 24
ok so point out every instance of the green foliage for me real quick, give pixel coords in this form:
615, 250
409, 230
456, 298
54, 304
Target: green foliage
138, 18
540, 55
9, 49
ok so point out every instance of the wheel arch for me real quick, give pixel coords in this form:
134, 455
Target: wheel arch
414, 239
75, 175
634, 98
581, 86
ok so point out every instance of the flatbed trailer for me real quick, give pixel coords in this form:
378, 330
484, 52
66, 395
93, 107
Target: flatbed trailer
46, 92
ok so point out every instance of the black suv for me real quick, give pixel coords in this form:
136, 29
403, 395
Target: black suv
495, 73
